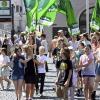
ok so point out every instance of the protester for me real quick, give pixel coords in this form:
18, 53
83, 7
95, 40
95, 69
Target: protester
53, 44
45, 44
74, 43
56, 53
97, 79
18, 72
61, 35
41, 68
88, 71
64, 80
76, 62
78, 54
30, 73
5, 70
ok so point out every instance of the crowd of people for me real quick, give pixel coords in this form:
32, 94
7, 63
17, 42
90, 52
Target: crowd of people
77, 61
76, 58
25, 63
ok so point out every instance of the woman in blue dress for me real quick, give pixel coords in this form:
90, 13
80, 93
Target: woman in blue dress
18, 72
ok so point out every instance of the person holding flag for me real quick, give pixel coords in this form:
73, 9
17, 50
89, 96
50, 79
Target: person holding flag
95, 20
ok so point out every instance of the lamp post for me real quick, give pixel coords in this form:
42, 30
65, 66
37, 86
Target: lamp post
12, 21
87, 16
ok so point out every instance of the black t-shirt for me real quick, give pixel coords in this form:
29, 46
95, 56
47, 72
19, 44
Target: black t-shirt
65, 67
30, 69
56, 51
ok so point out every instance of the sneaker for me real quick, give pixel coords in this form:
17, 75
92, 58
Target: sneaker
41, 95
79, 93
8, 85
93, 95
2, 88
23, 94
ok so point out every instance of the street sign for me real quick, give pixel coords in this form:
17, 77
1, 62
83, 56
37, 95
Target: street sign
5, 7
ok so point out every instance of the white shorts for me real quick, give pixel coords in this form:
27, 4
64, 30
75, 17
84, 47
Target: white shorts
5, 71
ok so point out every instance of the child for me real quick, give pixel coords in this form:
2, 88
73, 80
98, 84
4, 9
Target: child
64, 80
42, 58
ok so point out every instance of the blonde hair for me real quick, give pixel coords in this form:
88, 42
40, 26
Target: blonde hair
42, 49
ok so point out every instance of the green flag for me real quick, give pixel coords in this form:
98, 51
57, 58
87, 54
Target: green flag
62, 6
95, 20
30, 6
43, 6
65, 7
71, 19
49, 17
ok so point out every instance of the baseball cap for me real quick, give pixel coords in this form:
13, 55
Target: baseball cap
70, 47
60, 31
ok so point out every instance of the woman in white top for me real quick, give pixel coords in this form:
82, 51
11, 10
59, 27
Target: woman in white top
44, 43
88, 71
74, 43
4, 63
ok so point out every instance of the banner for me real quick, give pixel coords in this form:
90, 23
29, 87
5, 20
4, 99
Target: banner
43, 7
71, 19
49, 17
31, 7
5, 8
95, 20
62, 6
65, 7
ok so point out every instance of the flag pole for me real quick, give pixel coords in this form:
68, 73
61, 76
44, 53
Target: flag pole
36, 23
36, 16
87, 17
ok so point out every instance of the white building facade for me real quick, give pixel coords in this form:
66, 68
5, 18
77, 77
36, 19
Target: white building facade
19, 17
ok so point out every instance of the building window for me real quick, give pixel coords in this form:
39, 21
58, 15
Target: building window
20, 8
14, 7
17, 8
82, 20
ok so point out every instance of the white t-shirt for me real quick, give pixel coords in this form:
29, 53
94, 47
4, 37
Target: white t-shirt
45, 44
4, 59
42, 59
74, 44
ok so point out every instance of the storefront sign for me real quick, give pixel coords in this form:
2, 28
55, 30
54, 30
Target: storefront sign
5, 7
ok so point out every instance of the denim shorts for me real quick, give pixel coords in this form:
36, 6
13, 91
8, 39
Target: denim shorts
15, 77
